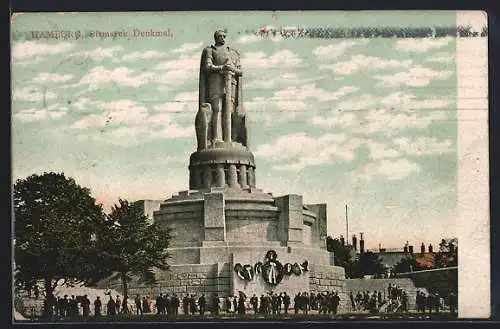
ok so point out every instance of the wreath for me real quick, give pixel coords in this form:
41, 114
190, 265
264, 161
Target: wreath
296, 269
287, 269
258, 268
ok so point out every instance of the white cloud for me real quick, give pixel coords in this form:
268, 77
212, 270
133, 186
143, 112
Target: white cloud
274, 81
35, 114
421, 45
187, 47
363, 63
29, 61
84, 103
335, 120
176, 77
291, 101
183, 62
115, 112
442, 57
99, 53
299, 151
138, 128
246, 39
380, 150
28, 49
139, 134
140, 55
424, 145
53, 77
400, 100
387, 121
121, 75
32, 94
387, 168
357, 103
333, 50
417, 76
281, 59
184, 102
309, 91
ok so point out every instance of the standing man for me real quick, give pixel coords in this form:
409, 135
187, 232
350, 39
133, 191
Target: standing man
86, 306
97, 307
138, 305
202, 303
286, 302
160, 307
215, 304
353, 303
185, 305
118, 303
254, 301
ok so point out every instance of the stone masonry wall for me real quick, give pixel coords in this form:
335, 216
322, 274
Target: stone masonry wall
327, 279
184, 279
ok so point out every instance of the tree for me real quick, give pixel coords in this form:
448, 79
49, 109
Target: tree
55, 220
448, 253
341, 252
130, 245
367, 263
408, 264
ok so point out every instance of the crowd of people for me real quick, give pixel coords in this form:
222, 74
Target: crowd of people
393, 299
396, 299
433, 302
270, 303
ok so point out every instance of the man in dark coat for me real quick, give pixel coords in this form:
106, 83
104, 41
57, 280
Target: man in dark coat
215, 304
254, 301
111, 307
86, 306
160, 306
286, 302
185, 305
192, 305
138, 305
97, 306
202, 303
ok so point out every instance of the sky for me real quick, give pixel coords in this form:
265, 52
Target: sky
371, 123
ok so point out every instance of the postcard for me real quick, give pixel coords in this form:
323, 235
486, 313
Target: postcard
250, 164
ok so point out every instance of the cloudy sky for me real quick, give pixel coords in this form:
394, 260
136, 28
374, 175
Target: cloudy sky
371, 123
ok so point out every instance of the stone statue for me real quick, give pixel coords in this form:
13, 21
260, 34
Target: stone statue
221, 116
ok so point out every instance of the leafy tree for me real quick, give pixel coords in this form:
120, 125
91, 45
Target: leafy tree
55, 220
367, 263
448, 253
408, 264
130, 245
341, 252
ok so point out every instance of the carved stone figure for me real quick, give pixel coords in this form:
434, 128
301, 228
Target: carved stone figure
202, 124
220, 86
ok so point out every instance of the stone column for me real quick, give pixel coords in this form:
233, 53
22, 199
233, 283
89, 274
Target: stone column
251, 176
207, 176
220, 176
233, 176
243, 176
214, 217
198, 177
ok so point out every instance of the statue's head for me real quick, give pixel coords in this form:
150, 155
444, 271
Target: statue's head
220, 37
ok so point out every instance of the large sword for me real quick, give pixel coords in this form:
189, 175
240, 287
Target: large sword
226, 114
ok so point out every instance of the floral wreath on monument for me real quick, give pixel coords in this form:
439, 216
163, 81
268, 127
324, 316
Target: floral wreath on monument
271, 270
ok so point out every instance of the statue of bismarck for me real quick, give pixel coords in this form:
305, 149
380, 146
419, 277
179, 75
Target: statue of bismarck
221, 116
